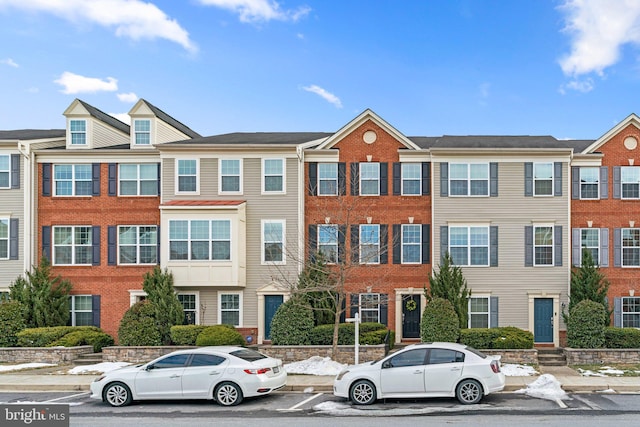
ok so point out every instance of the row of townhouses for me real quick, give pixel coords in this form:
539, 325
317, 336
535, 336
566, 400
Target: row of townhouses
234, 216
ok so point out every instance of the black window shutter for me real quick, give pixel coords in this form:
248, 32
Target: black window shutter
353, 304
617, 312
604, 247
397, 178
384, 309
557, 243
46, 242
355, 179
384, 244
493, 179
557, 179
384, 179
13, 238
342, 234
444, 179
397, 243
113, 179
159, 175
95, 245
95, 309
576, 247
342, 178
493, 316
95, 172
604, 182
426, 243
426, 178
158, 245
528, 246
617, 247
112, 244
46, 179
343, 311
313, 241
575, 182
493, 242
528, 179
15, 171
444, 241
617, 183
313, 179
355, 244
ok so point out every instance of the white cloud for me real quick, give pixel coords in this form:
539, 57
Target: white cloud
583, 86
74, 83
259, 10
134, 19
598, 30
10, 62
327, 96
123, 117
128, 97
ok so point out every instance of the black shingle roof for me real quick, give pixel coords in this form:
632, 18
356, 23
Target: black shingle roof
498, 141
29, 134
241, 138
173, 122
106, 118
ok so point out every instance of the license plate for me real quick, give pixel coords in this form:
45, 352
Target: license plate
276, 370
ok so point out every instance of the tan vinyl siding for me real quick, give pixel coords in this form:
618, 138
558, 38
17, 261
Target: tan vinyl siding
166, 133
13, 207
105, 136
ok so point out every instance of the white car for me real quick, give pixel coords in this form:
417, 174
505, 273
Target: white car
438, 369
224, 374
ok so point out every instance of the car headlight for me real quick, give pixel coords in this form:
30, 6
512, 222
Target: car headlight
100, 378
341, 374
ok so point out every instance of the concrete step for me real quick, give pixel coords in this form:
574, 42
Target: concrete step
88, 359
551, 357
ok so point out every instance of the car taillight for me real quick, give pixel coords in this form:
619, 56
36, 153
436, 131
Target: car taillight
257, 371
495, 366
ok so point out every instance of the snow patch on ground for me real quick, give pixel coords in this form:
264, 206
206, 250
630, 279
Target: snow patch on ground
99, 368
8, 368
315, 365
545, 387
513, 370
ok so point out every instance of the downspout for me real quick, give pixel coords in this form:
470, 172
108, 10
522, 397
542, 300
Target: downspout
28, 245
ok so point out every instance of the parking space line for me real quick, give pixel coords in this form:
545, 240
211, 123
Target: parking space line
66, 397
561, 403
586, 402
295, 407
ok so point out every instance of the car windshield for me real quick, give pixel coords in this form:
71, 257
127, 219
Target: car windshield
248, 355
476, 352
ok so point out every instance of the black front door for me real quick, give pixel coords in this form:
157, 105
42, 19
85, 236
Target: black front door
411, 316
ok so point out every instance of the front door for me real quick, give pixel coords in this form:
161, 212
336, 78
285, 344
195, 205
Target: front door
411, 316
271, 304
543, 320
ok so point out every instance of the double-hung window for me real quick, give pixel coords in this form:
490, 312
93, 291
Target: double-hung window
479, 312
273, 175
187, 176
411, 243
5, 171
4, 238
543, 179
370, 308
327, 179
273, 241
138, 180
189, 307
142, 131
469, 179
138, 244
543, 245
631, 247
369, 179
81, 309
369, 244
230, 308
590, 241
469, 245
589, 183
78, 130
411, 179
630, 180
200, 240
328, 242
72, 245
230, 176
631, 312
73, 180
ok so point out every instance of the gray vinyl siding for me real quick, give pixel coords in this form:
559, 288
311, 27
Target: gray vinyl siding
511, 211
167, 133
105, 136
13, 204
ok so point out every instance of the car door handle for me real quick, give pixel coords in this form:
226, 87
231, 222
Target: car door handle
418, 372
174, 376
455, 369
214, 373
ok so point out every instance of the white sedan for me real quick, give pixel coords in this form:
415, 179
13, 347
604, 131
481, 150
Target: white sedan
436, 369
224, 374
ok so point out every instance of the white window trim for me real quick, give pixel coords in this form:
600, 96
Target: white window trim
337, 180
360, 305
597, 183
627, 313
8, 219
337, 245
469, 180
284, 241
73, 180
377, 193
240, 184
469, 246
73, 311
622, 247
361, 261
135, 133
402, 228
553, 244
136, 296
210, 240
137, 245
197, 295
402, 179
597, 232
488, 312
73, 245
70, 133
263, 176
553, 179
138, 180
622, 183
177, 177
8, 171
240, 303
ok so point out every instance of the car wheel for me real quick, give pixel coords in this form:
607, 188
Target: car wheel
117, 394
363, 392
469, 392
228, 394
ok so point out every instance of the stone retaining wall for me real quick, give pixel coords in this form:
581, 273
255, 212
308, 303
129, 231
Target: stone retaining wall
602, 356
520, 357
57, 355
346, 353
137, 354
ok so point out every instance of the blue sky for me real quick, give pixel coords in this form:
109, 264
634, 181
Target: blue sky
567, 68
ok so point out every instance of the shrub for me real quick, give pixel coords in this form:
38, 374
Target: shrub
622, 338
508, 337
186, 334
292, 323
42, 337
138, 326
439, 322
586, 325
371, 333
219, 335
377, 337
11, 322
97, 339
481, 338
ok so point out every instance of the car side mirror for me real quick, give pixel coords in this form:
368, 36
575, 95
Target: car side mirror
386, 364
149, 367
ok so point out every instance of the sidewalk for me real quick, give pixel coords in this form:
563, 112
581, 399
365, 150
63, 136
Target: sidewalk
55, 379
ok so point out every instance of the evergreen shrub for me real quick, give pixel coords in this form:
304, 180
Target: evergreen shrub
439, 322
220, 335
11, 323
292, 323
138, 326
586, 327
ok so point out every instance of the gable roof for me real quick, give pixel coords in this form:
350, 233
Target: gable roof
104, 117
30, 134
632, 119
170, 120
255, 138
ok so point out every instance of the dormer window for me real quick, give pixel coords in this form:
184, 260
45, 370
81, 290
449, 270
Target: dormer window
78, 129
142, 131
